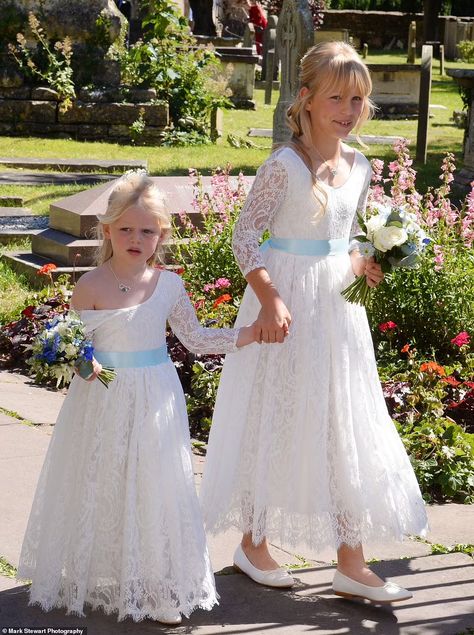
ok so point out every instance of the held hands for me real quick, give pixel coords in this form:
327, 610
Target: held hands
273, 322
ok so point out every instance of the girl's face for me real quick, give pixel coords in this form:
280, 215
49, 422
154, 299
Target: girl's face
135, 235
334, 114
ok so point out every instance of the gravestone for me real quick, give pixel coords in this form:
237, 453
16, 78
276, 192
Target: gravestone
465, 176
424, 103
294, 37
269, 38
69, 240
411, 57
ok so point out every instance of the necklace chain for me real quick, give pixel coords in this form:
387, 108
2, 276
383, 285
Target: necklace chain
332, 170
124, 288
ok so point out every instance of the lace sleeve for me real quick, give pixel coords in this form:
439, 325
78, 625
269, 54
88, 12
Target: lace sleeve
356, 229
264, 199
198, 339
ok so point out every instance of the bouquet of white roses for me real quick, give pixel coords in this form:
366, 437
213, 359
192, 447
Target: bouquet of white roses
62, 348
393, 237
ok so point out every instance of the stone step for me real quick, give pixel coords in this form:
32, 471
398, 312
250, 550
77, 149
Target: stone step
52, 178
81, 165
28, 264
7, 212
66, 250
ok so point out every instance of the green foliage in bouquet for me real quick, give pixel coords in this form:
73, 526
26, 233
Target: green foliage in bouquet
433, 302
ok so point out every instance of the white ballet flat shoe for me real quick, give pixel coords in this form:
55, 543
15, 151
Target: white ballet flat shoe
274, 577
389, 592
172, 617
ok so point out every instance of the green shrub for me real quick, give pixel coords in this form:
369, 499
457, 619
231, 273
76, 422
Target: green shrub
466, 50
432, 303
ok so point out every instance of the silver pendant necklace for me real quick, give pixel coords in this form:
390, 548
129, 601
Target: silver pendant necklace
122, 287
332, 170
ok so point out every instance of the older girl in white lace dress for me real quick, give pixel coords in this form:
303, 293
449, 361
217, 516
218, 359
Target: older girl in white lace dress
302, 449
115, 521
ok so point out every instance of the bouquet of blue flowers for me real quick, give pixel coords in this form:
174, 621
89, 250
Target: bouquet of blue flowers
62, 348
393, 237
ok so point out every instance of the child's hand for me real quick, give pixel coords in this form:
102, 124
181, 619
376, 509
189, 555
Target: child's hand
96, 370
273, 322
373, 273
248, 335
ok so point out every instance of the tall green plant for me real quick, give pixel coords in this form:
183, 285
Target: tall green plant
50, 62
183, 74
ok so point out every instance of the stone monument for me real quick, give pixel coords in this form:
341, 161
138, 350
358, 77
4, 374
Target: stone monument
464, 177
295, 35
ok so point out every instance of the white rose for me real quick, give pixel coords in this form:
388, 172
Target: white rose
387, 237
373, 224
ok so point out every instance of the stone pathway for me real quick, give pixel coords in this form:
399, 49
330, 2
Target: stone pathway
443, 585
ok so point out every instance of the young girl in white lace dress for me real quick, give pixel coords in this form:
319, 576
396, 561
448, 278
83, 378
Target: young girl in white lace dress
302, 449
116, 522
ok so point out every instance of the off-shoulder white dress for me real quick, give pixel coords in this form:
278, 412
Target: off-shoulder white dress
115, 521
302, 449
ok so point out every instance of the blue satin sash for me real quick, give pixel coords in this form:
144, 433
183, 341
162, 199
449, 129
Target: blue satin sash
133, 359
308, 247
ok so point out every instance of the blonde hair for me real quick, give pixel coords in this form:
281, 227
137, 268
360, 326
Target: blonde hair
328, 67
134, 188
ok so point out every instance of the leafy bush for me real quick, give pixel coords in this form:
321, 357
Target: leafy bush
432, 303
441, 451
466, 51
185, 75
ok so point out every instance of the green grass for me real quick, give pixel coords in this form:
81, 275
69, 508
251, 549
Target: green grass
443, 136
7, 569
14, 289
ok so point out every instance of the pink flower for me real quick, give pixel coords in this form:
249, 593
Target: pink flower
222, 283
387, 326
461, 339
208, 287
439, 257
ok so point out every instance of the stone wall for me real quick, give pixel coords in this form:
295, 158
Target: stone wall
95, 115
378, 28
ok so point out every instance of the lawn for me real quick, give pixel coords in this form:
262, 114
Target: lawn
443, 136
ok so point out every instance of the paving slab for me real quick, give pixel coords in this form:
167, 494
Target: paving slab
443, 584
52, 178
22, 451
35, 403
84, 165
442, 605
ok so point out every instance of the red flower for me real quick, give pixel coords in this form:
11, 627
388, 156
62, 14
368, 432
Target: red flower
387, 326
452, 381
432, 367
461, 339
222, 298
179, 271
405, 349
28, 312
45, 270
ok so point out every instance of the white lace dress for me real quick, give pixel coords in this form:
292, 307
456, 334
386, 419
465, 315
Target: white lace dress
115, 521
302, 449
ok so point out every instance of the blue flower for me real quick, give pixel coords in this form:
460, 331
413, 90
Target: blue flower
87, 351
